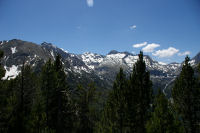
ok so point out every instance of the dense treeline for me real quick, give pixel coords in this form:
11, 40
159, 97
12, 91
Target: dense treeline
44, 103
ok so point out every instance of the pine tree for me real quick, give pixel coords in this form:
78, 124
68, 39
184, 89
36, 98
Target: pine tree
114, 115
108, 115
119, 102
63, 110
3, 99
186, 97
38, 116
162, 119
197, 96
48, 87
20, 100
9, 93
139, 96
86, 107
58, 110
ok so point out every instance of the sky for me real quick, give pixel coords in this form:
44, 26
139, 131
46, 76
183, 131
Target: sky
167, 30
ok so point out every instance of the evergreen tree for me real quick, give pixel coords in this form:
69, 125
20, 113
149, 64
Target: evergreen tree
63, 111
9, 93
186, 98
48, 86
21, 100
58, 110
3, 99
86, 106
38, 116
108, 115
139, 96
162, 119
114, 115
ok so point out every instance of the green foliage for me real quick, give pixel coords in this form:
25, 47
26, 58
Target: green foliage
162, 119
47, 87
128, 105
114, 116
38, 116
186, 98
139, 96
26, 85
55, 90
44, 103
86, 99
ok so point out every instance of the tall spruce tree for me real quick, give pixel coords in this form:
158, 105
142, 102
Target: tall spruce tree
86, 107
8, 101
163, 120
139, 96
48, 78
64, 122
11, 92
38, 116
25, 87
59, 111
119, 95
186, 98
198, 100
3, 100
118, 103
114, 114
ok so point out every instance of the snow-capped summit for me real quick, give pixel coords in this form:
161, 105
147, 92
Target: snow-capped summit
92, 60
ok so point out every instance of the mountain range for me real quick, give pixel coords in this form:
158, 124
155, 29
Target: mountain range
86, 67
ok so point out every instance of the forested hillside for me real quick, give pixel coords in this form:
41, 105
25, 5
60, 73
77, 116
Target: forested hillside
43, 102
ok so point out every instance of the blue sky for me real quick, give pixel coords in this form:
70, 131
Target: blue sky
166, 30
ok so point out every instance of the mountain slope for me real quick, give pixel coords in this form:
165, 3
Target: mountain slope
88, 67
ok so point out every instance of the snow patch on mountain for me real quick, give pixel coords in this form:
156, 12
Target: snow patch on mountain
1, 43
147, 61
11, 72
13, 49
64, 50
192, 62
114, 59
90, 57
162, 63
131, 60
116, 56
79, 69
52, 54
91, 60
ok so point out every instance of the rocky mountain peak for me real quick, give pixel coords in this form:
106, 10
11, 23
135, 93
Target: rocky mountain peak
88, 64
113, 52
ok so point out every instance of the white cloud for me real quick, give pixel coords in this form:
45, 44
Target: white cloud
150, 47
166, 52
184, 53
132, 27
90, 3
139, 45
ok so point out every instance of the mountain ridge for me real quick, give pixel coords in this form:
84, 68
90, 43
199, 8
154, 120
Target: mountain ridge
91, 65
